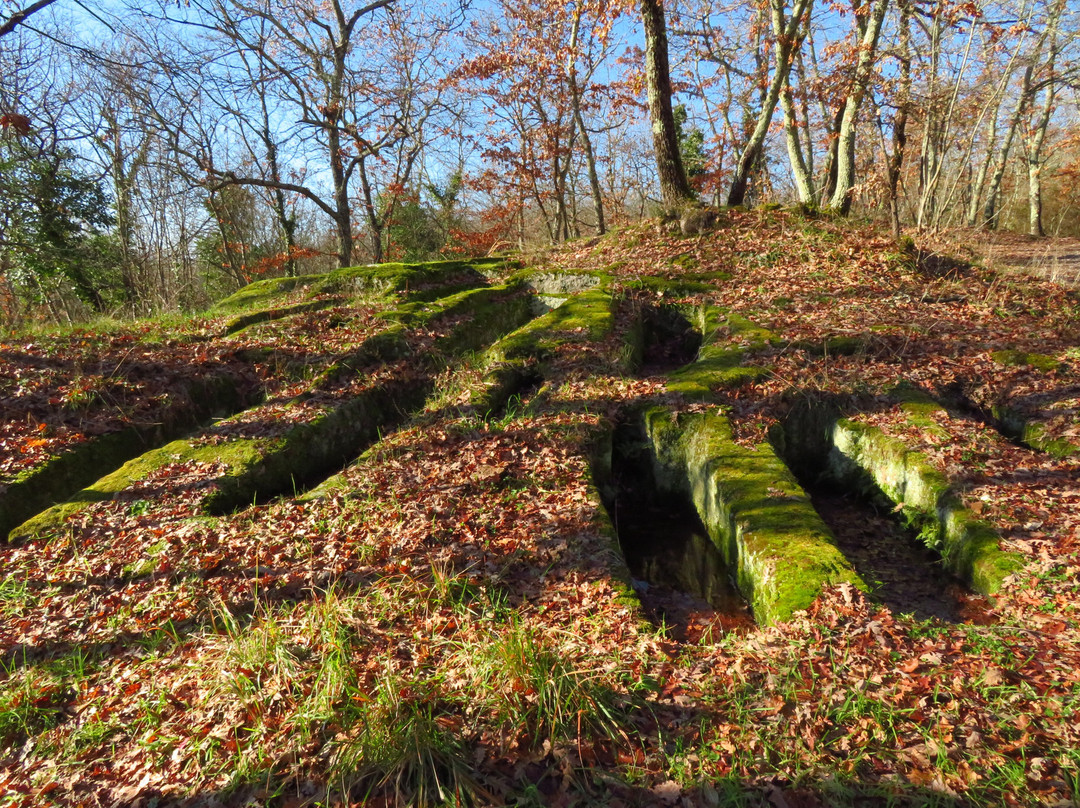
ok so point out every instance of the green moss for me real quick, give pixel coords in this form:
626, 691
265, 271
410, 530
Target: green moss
500, 384
673, 287
261, 467
970, 548
258, 469
685, 261
262, 292
477, 303
340, 432
749, 333
63, 475
265, 315
1031, 433
920, 408
1034, 435
338, 484
602, 488
52, 519
620, 579
425, 280
587, 316
715, 369
864, 455
901, 261
1042, 362
755, 512
490, 310
726, 339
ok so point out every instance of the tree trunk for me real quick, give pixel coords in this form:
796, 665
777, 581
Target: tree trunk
594, 177
979, 184
122, 203
845, 145
929, 154
561, 166
828, 171
342, 208
332, 112
1034, 145
899, 135
579, 123
990, 208
674, 187
830, 120
786, 40
1035, 225
808, 145
286, 223
804, 186
375, 221
1036, 133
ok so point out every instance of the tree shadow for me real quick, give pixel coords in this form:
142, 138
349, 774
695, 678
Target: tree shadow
546, 781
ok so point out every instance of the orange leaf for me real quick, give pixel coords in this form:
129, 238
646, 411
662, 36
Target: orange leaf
909, 666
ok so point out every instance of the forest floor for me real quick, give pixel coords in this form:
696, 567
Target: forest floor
1054, 259
438, 611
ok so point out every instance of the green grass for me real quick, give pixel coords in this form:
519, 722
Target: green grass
402, 747
536, 692
17, 597
34, 698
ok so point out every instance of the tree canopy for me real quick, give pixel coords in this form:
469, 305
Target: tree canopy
343, 121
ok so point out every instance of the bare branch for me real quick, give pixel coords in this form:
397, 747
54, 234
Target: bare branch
19, 16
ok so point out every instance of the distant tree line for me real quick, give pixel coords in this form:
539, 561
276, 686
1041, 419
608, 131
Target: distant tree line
159, 156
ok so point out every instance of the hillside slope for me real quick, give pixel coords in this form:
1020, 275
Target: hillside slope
777, 515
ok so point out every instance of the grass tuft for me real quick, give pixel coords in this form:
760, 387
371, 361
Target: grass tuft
538, 693
403, 749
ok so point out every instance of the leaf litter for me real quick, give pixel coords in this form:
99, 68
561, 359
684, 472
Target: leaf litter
461, 579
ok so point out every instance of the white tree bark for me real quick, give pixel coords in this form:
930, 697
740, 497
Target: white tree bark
845, 152
786, 41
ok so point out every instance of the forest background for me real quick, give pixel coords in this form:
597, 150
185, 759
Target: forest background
158, 157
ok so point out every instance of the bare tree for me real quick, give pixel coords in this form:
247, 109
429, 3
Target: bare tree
674, 187
351, 99
786, 41
869, 24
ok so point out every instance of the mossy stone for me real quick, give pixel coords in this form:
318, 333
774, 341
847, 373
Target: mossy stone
726, 339
756, 513
243, 321
587, 316
1019, 426
863, 455
424, 280
51, 520
1010, 358
259, 467
63, 475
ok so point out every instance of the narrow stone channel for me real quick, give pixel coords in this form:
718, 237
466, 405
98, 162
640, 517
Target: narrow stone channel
679, 574
906, 575
903, 573
669, 340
